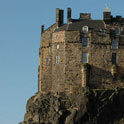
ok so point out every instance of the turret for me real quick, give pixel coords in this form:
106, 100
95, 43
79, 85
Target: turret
107, 14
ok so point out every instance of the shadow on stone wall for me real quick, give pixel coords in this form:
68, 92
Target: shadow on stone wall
99, 78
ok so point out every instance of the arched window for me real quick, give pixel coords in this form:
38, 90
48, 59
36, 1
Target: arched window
85, 29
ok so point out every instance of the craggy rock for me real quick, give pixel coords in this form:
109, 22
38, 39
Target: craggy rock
84, 106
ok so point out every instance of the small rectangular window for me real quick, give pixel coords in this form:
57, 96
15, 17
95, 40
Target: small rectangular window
114, 58
117, 31
84, 41
114, 44
47, 61
122, 78
102, 31
112, 33
85, 57
57, 58
50, 48
51, 36
57, 46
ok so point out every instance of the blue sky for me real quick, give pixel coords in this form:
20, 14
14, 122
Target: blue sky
20, 22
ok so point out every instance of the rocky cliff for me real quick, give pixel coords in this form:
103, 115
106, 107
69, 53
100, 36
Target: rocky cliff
83, 106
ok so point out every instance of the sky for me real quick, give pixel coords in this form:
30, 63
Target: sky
20, 31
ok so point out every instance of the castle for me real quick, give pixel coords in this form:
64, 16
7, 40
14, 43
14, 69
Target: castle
82, 53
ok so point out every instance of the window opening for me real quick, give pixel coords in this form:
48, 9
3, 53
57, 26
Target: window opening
85, 29
57, 59
117, 31
114, 57
122, 78
51, 36
84, 41
57, 46
50, 48
102, 31
85, 57
47, 60
114, 44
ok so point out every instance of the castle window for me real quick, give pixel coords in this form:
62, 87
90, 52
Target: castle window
57, 46
54, 29
84, 41
57, 58
102, 31
51, 36
85, 29
117, 31
50, 48
47, 60
85, 58
114, 44
114, 58
112, 33
122, 78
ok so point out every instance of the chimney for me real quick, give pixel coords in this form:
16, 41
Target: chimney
42, 29
85, 16
68, 14
59, 17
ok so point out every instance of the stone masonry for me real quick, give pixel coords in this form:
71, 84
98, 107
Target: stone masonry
81, 53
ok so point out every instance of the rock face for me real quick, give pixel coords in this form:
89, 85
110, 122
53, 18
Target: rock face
83, 106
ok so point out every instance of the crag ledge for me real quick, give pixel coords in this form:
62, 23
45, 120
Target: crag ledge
84, 106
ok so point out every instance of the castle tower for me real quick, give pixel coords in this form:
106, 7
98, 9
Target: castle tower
81, 53
107, 14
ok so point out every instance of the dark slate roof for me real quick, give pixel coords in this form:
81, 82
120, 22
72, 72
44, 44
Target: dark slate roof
77, 25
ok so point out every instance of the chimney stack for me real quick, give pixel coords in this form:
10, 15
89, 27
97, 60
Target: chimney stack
68, 14
85, 16
42, 29
59, 17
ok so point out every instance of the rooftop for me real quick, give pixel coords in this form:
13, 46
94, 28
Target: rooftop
76, 25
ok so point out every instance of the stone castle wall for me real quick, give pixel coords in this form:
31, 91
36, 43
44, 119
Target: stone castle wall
61, 66
45, 58
58, 61
73, 60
